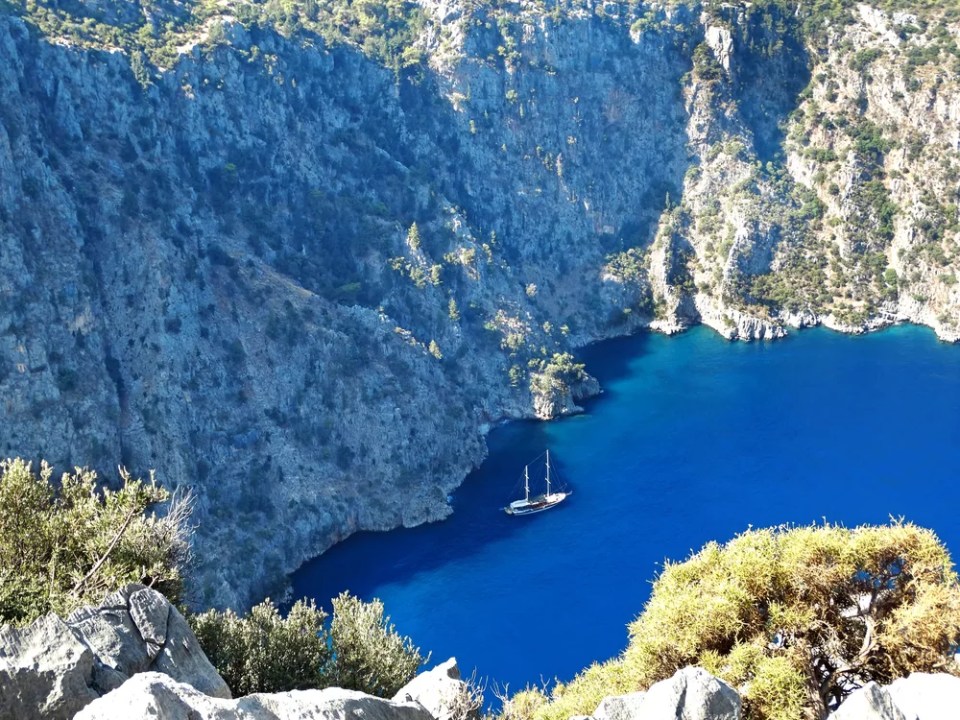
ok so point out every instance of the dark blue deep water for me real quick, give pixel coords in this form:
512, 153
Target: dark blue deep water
694, 439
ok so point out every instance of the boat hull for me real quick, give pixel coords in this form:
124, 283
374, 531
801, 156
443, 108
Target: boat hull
536, 505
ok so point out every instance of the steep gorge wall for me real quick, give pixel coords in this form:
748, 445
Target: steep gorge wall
212, 272
211, 276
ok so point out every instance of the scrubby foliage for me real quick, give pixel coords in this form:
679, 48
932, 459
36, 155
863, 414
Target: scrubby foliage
70, 543
795, 618
369, 654
263, 652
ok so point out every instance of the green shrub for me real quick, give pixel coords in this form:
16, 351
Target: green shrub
369, 654
264, 652
705, 64
793, 618
70, 544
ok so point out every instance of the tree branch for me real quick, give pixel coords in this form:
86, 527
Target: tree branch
103, 558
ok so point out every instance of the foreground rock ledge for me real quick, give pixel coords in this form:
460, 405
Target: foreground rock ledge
441, 692
694, 694
154, 695
54, 667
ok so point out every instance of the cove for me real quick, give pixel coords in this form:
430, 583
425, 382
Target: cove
694, 439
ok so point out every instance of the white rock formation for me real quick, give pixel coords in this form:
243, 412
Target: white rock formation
442, 692
921, 696
871, 702
154, 695
620, 707
927, 696
720, 41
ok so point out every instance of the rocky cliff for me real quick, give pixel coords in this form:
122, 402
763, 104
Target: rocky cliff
300, 256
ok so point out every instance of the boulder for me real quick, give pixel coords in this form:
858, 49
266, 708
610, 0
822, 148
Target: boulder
156, 695
691, 694
441, 692
45, 671
620, 707
927, 696
921, 696
871, 702
53, 668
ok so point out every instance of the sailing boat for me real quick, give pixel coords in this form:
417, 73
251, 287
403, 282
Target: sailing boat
538, 503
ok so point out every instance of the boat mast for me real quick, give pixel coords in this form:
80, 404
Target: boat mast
548, 472
526, 481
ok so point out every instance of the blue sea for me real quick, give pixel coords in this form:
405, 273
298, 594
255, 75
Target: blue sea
693, 439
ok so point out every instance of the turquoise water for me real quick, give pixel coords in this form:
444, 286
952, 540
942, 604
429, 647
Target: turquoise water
693, 439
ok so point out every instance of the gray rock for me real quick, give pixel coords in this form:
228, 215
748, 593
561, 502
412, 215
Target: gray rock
109, 631
927, 696
150, 612
156, 695
181, 658
620, 707
691, 694
441, 692
871, 702
53, 668
45, 671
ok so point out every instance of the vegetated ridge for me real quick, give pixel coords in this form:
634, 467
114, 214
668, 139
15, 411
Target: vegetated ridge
299, 256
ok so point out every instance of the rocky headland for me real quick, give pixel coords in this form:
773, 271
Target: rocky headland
300, 259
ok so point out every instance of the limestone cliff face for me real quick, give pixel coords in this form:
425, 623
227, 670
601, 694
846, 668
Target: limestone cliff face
825, 183
304, 284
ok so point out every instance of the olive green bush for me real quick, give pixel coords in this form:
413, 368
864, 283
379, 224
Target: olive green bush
794, 618
369, 654
263, 652
67, 544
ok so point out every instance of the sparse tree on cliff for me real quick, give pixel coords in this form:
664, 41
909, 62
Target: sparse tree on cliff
413, 237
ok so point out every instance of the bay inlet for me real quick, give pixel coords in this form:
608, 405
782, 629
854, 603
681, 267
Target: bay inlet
694, 439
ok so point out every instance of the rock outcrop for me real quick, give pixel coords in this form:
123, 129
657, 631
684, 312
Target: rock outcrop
153, 695
871, 702
921, 696
53, 668
691, 694
620, 707
442, 692
694, 694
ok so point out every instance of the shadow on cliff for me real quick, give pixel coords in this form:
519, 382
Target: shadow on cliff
773, 70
